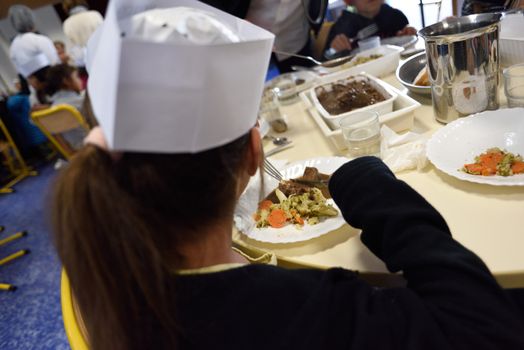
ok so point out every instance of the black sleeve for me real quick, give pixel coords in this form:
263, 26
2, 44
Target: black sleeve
349, 24
237, 8
390, 21
409, 235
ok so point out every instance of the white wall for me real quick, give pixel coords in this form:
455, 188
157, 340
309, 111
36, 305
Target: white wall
47, 23
412, 11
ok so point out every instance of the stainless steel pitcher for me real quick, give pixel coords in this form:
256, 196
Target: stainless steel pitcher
463, 63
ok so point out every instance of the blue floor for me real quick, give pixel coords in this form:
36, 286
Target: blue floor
30, 317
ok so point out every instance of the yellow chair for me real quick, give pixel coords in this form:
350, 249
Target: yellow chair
73, 323
3, 261
12, 160
319, 42
57, 120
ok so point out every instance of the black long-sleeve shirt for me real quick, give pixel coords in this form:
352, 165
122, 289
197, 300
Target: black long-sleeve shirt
389, 21
451, 300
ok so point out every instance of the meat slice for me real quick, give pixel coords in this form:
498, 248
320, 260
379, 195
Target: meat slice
310, 174
291, 187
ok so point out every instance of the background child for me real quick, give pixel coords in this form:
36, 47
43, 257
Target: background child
362, 13
64, 86
61, 51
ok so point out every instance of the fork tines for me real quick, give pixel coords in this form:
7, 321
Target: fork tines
367, 31
271, 170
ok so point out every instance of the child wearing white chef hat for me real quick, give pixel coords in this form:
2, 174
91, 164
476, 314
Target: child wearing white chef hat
143, 214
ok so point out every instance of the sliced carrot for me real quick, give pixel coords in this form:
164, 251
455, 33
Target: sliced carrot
256, 217
299, 220
473, 168
265, 204
488, 171
277, 218
518, 167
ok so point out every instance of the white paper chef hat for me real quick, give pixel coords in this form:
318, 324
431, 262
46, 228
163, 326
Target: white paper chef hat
175, 81
34, 64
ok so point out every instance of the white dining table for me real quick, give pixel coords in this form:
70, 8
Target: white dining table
486, 219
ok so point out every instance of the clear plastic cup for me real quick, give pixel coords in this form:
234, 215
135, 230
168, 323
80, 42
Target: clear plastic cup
514, 85
369, 43
361, 131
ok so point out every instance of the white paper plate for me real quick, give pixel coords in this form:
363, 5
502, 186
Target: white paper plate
288, 233
460, 141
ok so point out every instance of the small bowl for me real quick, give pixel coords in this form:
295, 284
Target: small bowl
288, 85
407, 72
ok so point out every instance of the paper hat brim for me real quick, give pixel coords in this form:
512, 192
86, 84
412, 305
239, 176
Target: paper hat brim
173, 98
34, 64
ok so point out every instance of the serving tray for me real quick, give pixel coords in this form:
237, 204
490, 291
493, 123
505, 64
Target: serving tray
400, 119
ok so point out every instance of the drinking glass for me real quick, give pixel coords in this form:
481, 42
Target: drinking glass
514, 85
361, 131
270, 111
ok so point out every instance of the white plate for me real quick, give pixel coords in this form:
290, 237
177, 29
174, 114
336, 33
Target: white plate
288, 233
460, 141
402, 41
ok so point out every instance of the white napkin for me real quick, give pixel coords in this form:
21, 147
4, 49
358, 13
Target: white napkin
403, 152
248, 202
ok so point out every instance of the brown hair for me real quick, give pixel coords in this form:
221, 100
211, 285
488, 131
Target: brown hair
67, 5
56, 75
117, 224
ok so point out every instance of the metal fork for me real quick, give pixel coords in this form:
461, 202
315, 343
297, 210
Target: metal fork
366, 32
271, 170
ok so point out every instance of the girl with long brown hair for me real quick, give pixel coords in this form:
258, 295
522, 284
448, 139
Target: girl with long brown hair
144, 234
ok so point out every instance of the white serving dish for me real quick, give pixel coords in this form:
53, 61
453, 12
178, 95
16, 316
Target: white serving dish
400, 119
382, 107
379, 67
511, 40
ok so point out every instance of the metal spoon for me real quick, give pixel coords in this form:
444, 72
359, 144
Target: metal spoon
328, 64
337, 61
279, 140
299, 56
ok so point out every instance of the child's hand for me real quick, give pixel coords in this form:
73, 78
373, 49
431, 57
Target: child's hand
341, 42
407, 31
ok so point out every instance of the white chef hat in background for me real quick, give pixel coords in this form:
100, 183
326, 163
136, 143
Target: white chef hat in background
34, 64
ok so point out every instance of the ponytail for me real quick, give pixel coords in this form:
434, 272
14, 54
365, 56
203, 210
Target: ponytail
115, 265
117, 226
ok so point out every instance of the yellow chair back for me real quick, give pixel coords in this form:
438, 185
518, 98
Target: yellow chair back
73, 323
320, 40
56, 120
